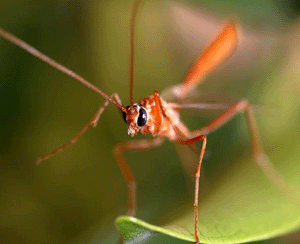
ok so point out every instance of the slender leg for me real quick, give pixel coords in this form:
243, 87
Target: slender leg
197, 175
182, 139
257, 150
92, 122
128, 175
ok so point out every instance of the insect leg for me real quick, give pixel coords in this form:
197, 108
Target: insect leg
92, 122
257, 150
187, 141
197, 175
128, 175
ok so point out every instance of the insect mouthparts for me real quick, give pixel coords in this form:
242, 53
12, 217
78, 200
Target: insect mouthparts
131, 131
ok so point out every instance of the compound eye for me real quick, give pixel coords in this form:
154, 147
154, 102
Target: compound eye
124, 114
142, 119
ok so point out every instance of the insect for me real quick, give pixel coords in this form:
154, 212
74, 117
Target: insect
160, 118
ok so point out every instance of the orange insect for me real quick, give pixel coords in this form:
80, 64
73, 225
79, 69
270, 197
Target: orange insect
161, 119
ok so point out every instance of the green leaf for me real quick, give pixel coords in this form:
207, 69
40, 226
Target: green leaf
244, 207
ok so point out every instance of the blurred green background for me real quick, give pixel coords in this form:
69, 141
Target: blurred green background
75, 196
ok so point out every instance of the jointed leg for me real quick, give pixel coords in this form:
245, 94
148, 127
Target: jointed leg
197, 175
128, 175
256, 147
92, 122
182, 139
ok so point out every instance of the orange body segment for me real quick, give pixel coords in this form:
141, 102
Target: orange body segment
217, 51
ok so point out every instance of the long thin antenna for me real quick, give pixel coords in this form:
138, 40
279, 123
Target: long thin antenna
10, 37
131, 39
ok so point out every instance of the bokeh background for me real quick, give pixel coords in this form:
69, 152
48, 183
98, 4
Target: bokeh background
75, 196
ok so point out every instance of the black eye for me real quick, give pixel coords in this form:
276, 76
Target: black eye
142, 119
124, 114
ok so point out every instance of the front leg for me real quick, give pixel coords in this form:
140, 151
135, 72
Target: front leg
197, 175
93, 122
128, 175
